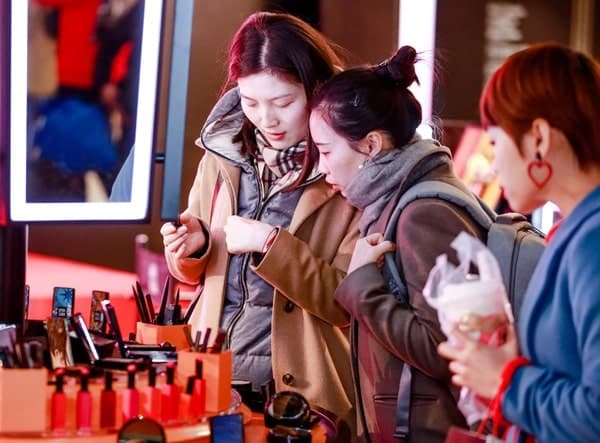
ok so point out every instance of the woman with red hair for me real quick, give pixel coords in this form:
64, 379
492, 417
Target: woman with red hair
541, 111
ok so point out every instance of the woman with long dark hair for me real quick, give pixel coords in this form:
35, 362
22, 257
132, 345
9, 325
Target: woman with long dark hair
263, 233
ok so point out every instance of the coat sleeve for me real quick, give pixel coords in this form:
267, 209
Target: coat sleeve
425, 230
300, 275
547, 403
190, 270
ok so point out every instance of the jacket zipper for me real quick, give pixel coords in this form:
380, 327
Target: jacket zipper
246, 259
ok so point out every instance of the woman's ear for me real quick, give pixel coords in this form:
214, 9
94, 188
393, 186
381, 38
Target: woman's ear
375, 142
541, 133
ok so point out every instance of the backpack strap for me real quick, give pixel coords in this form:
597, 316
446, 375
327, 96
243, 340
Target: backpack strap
479, 211
475, 207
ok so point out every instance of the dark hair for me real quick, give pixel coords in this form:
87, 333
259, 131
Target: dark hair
283, 45
360, 100
549, 81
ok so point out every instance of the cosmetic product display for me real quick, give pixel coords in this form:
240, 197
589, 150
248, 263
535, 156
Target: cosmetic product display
167, 325
93, 397
176, 335
152, 352
198, 399
216, 369
58, 405
152, 397
186, 411
84, 405
108, 403
170, 396
97, 318
130, 404
20, 389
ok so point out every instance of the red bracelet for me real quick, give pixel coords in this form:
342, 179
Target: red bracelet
505, 378
270, 239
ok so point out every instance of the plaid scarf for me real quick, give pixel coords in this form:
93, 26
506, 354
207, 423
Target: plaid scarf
280, 167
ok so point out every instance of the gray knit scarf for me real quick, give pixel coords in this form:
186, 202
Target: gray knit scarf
382, 176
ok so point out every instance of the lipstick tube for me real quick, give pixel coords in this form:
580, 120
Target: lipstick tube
170, 396
185, 401
108, 403
58, 413
153, 397
198, 400
130, 401
84, 405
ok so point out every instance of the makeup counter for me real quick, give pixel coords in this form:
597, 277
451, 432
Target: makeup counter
237, 418
103, 384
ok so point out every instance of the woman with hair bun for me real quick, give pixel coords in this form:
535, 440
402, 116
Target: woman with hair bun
363, 123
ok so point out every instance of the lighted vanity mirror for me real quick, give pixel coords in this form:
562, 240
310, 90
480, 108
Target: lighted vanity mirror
76, 69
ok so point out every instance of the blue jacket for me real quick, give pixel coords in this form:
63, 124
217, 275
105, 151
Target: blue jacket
557, 398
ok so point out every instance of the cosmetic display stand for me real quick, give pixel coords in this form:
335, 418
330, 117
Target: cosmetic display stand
24, 405
254, 432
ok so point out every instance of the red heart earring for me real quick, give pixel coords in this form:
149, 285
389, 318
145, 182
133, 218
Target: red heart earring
539, 171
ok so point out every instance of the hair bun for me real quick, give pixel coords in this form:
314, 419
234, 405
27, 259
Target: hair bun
400, 68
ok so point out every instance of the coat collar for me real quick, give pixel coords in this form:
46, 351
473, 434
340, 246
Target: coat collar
588, 206
313, 197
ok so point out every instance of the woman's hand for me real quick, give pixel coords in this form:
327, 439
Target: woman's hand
245, 234
369, 249
478, 366
184, 240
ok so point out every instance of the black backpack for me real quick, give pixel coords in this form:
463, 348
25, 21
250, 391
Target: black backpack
516, 244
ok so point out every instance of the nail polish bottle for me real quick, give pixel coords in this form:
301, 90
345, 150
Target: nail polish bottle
84, 405
108, 403
152, 398
170, 396
198, 400
130, 401
58, 413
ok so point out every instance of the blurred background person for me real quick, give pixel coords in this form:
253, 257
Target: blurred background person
77, 133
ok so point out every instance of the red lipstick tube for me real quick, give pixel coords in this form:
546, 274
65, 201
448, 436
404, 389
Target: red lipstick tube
84, 405
131, 399
198, 400
153, 397
108, 403
170, 396
58, 414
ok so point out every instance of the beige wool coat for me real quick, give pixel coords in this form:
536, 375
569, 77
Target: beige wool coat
309, 341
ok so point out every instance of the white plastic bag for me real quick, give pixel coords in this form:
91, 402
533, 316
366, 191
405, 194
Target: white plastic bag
474, 303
